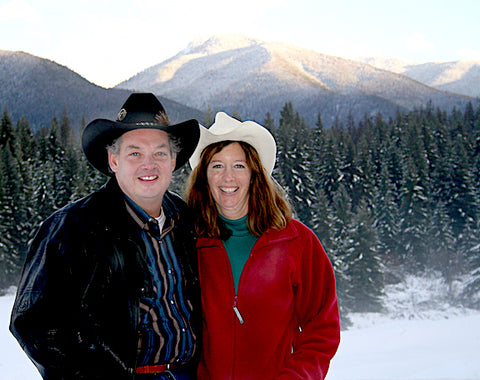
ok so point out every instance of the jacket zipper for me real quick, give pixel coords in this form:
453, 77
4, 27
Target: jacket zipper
235, 302
237, 312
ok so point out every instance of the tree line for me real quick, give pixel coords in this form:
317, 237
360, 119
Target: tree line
385, 197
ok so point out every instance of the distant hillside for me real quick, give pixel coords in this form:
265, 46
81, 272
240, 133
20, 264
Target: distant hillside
461, 77
252, 77
40, 89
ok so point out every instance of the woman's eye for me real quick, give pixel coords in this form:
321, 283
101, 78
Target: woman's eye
216, 165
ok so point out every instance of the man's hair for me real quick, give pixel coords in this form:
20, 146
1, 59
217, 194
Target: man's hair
267, 205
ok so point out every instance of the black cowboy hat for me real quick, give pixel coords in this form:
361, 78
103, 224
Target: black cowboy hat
141, 110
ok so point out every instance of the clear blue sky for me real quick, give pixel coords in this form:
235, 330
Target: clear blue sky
108, 41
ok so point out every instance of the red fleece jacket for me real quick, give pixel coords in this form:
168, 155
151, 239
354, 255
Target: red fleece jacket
288, 306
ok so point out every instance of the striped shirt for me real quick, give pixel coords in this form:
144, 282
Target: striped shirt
165, 332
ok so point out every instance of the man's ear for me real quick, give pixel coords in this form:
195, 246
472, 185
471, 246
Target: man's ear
113, 161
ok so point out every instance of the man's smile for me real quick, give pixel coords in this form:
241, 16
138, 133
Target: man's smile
148, 177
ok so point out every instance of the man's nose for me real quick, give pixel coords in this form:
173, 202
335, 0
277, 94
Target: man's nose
148, 161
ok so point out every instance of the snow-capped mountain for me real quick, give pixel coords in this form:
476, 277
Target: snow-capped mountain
461, 77
240, 74
253, 77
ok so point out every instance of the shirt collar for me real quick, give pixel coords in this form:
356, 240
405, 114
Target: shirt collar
147, 222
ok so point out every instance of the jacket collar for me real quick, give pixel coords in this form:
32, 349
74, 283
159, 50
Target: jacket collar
112, 208
272, 236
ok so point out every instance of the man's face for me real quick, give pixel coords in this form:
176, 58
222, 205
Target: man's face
143, 167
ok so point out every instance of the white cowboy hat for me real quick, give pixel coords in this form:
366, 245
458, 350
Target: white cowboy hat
227, 128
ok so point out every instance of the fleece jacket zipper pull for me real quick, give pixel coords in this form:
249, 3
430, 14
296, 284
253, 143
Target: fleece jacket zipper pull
237, 312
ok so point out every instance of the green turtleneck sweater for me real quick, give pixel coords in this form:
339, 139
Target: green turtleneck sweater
238, 246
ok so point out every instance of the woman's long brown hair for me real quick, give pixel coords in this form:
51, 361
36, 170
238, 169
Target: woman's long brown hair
267, 204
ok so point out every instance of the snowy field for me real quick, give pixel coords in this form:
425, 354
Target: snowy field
408, 345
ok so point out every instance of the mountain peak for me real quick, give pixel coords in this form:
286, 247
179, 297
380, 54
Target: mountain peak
219, 43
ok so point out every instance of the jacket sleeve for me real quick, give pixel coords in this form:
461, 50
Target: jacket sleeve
46, 314
316, 303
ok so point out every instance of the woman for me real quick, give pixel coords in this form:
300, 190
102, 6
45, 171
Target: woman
268, 288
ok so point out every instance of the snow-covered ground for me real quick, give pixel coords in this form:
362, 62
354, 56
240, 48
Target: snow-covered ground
378, 348
409, 344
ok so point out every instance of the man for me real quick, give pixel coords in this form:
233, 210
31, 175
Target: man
110, 286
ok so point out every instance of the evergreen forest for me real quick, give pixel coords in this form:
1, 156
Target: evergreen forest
386, 198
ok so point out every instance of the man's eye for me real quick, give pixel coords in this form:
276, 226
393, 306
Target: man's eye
134, 154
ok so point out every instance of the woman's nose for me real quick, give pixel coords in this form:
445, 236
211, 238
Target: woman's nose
228, 174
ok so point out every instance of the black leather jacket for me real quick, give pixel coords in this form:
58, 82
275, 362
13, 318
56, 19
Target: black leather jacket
76, 310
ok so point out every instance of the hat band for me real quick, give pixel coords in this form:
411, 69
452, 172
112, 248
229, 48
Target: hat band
148, 123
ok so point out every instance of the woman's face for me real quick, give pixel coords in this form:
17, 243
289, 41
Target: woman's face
228, 177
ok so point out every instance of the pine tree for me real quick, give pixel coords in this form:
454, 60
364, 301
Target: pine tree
7, 138
364, 264
387, 220
27, 213
461, 201
327, 162
442, 250
294, 163
321, 218
471, 292
44, 176
269, 123
321, 149
413, 199
341, 208
9, 255
66, 134
62, 165
11, 205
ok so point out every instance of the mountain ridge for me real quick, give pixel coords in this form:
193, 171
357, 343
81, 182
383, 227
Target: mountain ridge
40, 89
237, 73
462, 77
253, 77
